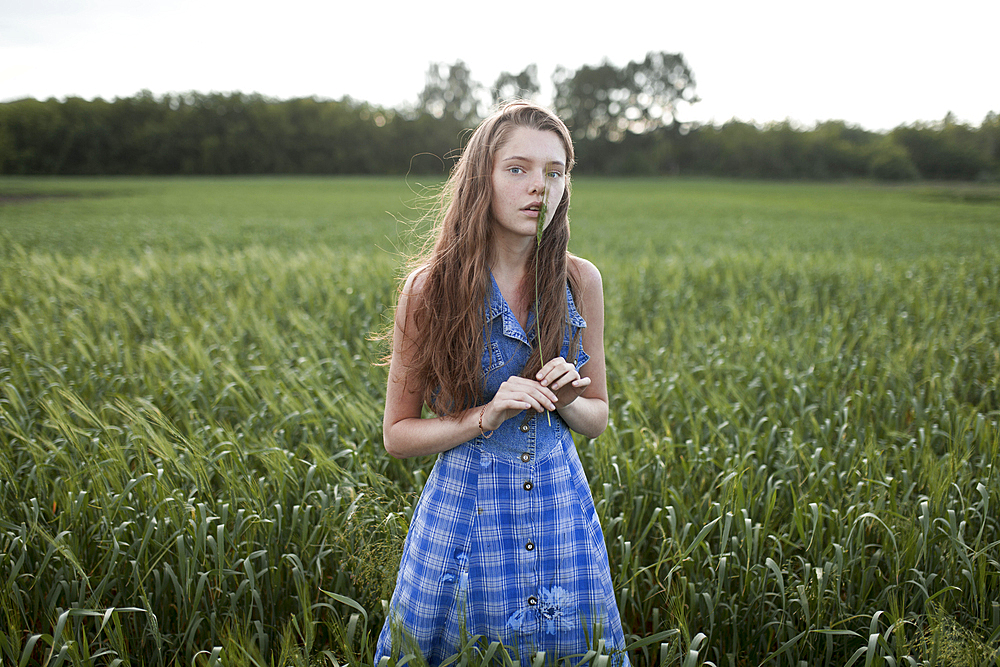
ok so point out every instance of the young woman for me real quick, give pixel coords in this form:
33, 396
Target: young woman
504, 542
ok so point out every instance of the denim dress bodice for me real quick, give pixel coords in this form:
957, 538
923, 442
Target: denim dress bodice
530, 435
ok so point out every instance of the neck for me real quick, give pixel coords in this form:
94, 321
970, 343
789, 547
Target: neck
509, 257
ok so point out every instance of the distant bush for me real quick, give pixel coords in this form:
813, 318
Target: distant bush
891, 162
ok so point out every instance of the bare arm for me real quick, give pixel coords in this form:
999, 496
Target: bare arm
583, 399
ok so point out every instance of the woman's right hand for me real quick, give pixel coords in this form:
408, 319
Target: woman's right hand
514, 396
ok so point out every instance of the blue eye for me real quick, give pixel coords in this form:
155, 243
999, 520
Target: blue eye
516, 170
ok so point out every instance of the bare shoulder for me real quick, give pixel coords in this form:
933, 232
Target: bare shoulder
415, 281
587, 276
410, 295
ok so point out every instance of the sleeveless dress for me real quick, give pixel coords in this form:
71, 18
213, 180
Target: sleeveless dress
504, 542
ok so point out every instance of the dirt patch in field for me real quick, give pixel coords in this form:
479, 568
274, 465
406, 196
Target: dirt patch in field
988, 196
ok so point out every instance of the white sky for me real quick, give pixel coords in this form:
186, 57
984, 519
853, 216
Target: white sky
875, 63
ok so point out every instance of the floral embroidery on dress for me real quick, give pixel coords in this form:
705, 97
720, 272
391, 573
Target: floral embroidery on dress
553, 611
463, 578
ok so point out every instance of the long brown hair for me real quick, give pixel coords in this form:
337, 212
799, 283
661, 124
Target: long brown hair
455, 275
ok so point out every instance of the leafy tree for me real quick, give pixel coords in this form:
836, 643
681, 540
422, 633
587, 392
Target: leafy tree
516, 86
945, 150
451, 93
584, 100
655, 87
606, 101
838, 150
990, 138
624, 121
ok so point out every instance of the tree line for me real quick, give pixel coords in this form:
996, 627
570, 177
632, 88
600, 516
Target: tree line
624, 122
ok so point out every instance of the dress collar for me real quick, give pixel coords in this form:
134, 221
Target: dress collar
497, 307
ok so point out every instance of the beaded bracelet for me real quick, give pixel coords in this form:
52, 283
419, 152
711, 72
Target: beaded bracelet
482, 413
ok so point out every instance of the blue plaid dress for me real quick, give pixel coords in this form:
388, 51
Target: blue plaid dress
505, 542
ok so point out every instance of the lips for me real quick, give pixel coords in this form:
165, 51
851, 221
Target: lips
533, 207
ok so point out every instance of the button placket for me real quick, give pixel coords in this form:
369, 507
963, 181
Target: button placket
529, 549
529, 416
527, 427
528, 562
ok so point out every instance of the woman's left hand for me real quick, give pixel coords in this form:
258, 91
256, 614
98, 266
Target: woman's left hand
562, 378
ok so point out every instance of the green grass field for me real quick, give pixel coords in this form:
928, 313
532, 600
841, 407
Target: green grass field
800, 467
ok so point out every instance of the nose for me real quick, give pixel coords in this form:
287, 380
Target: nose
537, 183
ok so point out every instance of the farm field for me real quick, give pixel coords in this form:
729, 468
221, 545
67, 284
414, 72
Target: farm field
800, 469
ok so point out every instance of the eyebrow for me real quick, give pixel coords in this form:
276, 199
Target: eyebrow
519, 158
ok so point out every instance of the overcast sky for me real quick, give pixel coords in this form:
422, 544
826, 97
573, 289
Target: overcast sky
874, 63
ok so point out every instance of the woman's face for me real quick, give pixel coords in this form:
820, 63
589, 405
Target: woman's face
529, 168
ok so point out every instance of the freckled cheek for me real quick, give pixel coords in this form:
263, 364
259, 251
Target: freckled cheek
500, 202
556, 197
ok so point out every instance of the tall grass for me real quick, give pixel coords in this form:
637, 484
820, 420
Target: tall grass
804, 456
183, 441
799, 468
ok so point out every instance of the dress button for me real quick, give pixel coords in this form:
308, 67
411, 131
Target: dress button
524, 428
532, 601
530, 546
528, 486
526, 457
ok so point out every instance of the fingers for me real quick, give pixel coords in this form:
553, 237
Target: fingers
514, 396
558, 373
532, 393
523, 401
558, 384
